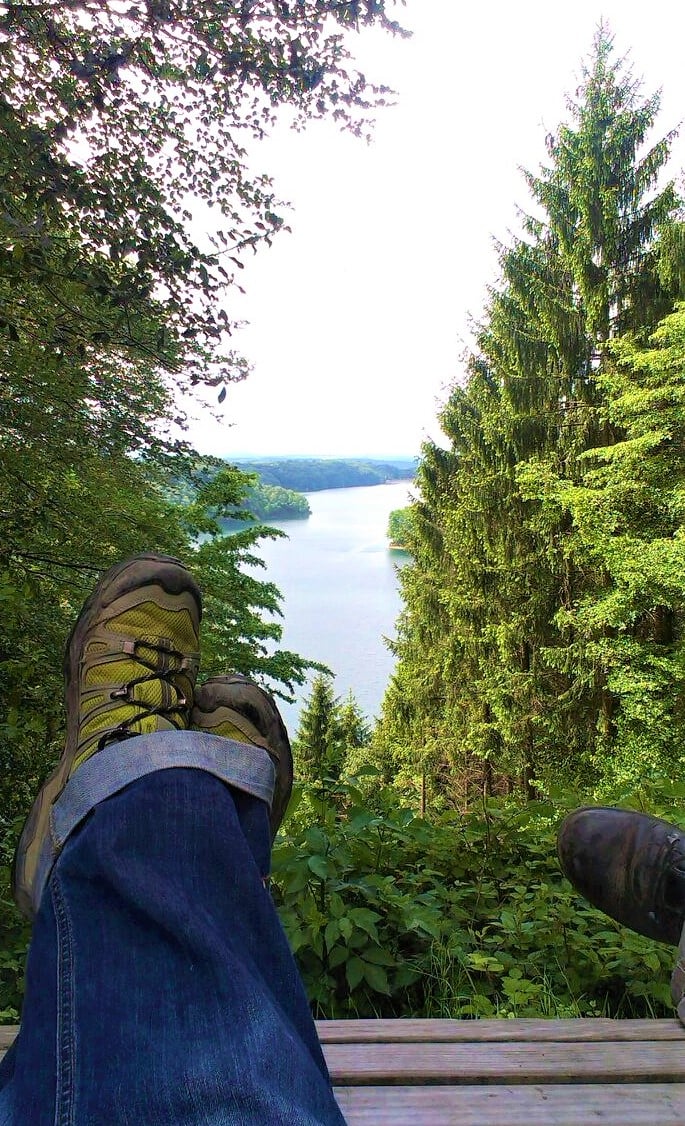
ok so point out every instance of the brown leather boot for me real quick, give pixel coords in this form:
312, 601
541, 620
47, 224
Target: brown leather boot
632, 867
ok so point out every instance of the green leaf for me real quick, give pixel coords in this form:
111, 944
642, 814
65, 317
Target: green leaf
337, 956
331, 933
354, 972
376, 977
365, 919
346, 928
378, 956
319, 866
405, 975
296, 882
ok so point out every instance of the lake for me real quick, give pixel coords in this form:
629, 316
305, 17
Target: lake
339, 585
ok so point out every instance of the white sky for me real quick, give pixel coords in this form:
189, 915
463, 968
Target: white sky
358, 319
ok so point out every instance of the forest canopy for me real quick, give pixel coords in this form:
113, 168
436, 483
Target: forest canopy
118, 122
118, 125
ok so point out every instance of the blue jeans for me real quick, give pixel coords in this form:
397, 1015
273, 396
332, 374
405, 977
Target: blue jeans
160, 988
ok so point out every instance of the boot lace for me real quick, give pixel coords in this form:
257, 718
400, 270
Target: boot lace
163, 671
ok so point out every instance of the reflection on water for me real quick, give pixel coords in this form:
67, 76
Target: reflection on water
339, 586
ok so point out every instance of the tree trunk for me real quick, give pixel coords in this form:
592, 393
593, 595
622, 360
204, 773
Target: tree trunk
487, 779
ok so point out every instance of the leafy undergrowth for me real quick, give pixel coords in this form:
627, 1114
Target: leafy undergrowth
468, 915
14, 933
458, 915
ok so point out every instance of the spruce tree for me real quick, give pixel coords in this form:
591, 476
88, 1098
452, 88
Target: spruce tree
354, 729
485, 668
317, 745
624, 636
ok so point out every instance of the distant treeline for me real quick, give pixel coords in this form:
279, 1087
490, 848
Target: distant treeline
309, 475
272, 489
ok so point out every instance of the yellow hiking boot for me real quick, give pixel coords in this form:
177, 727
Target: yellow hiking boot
236, 707
130, 667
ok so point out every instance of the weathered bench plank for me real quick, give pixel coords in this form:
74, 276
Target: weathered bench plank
574, 1029
650, 1104
482, 1063
507, 1072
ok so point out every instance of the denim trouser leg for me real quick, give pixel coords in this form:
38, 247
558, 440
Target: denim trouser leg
160, 986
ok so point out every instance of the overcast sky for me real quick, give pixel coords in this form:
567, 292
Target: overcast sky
359, 318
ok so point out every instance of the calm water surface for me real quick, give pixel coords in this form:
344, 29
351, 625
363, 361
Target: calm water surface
339, 586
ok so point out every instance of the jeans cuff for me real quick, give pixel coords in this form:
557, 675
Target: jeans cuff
243, 766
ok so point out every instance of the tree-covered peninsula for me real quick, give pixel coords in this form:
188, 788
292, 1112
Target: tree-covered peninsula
271, 502
399, 530
255, 501
273, 488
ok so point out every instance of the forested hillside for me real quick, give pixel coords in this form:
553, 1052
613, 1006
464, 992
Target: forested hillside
271, 502
541, 640
308, 475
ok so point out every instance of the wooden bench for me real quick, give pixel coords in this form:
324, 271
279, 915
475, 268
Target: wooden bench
508, 1072
504, 1072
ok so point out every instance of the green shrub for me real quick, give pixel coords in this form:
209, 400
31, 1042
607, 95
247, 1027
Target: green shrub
14, 933
464, 915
